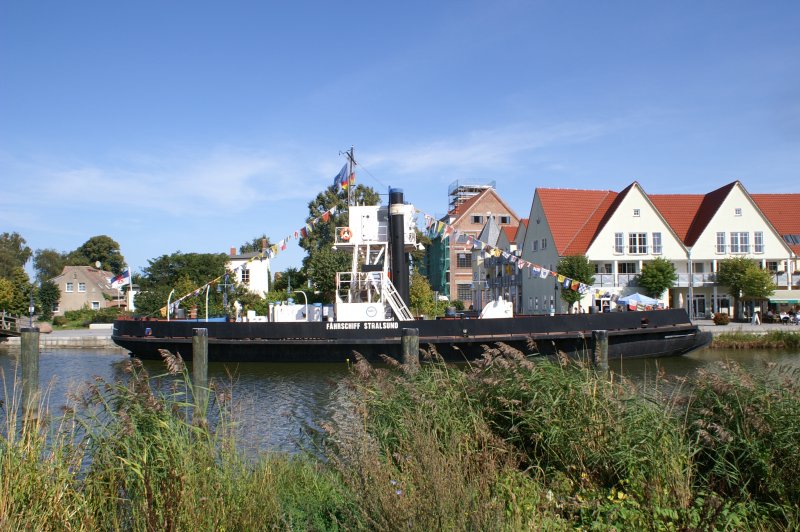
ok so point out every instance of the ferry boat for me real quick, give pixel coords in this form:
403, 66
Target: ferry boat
370, 315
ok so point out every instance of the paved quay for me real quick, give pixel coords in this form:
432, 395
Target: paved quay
732, 327
95, 338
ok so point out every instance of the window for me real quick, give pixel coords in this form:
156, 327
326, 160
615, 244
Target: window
619, 245
656, 243
627, 267
464, 293
55, 307
602, 268
464, 260
740, 242
245, 276
505, 219
758, 242
535, 245
720, 242
636, 213
69, 287
544, 244
530, 303
536, 303
772, 266
637, 243
737, 211
476, 219
95, 305
81, 287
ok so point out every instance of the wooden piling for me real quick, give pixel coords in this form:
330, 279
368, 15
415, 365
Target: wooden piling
410, 344
200, 372
29, 350
600, 353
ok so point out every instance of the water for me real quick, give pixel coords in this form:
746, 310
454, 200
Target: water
281, 404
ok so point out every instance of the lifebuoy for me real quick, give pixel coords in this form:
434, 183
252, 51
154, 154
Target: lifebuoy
345, 234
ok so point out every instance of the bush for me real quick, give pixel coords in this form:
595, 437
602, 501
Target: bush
722, 318
59, 321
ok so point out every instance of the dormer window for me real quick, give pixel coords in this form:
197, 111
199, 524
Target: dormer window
477, 219
636, 213
737, 211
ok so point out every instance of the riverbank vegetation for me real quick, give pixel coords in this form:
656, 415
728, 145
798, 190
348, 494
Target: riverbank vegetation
774, 339
504, 444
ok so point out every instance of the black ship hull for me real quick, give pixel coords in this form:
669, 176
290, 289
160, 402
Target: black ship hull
630, 335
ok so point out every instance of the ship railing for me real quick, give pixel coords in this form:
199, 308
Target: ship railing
359, 287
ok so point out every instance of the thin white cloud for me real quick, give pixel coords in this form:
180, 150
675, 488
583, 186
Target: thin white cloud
489, 149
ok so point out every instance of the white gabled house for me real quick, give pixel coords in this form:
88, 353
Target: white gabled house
620, 232
251, 270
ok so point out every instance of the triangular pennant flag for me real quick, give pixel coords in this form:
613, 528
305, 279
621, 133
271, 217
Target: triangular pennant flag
326, 217
545, 273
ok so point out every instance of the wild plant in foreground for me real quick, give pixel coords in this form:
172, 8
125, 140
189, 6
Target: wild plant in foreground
745, 426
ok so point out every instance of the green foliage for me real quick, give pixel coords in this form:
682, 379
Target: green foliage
321, 266
100, 248
746, 426
578, 268
48, 295
256, 245
297, 278
183, 272
85, 316
422, 298
657, 276
458, 304
757, 284
14, 253
15, 292
321, 262
48, 263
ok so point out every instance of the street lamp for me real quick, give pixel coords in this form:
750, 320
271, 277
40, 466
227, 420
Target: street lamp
31, 308
304, 297
169, 298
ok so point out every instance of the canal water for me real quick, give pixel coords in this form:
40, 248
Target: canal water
282, 405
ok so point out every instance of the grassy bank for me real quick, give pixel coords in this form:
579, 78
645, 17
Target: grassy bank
769, 340
505, 444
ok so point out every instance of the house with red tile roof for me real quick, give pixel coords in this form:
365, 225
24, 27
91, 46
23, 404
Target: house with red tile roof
448, 260
621, 231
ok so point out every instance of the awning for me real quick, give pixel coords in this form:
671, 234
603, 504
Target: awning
785, 301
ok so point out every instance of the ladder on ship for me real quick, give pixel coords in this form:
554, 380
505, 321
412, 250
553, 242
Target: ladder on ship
395, 301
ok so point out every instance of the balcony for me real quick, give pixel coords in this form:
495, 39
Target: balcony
697, 279
607, 280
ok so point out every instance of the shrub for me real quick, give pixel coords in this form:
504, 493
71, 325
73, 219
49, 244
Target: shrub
59, 321
722, 318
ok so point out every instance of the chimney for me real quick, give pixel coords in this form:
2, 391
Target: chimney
233, 252
263, 244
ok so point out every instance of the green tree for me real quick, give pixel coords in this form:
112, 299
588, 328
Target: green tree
421, 296
322, 262
297, 278
577, 268
256, 245
731, 273
180, 271
48, 263
657, 276
14, 253
48, 295
15, 292
103, 249
756, 285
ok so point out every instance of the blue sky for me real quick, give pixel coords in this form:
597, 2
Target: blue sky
197, 126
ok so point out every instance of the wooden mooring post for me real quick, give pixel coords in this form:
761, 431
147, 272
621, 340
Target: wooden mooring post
200, 372
410, 344
29, 351
600, 351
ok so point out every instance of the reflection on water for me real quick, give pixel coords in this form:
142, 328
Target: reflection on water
278, 404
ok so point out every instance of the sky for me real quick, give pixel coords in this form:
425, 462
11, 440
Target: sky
198, 126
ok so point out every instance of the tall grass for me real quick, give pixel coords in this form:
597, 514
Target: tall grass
504, 444
773, 339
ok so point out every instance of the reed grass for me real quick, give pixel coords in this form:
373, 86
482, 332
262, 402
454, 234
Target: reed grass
770, 340
508, 443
